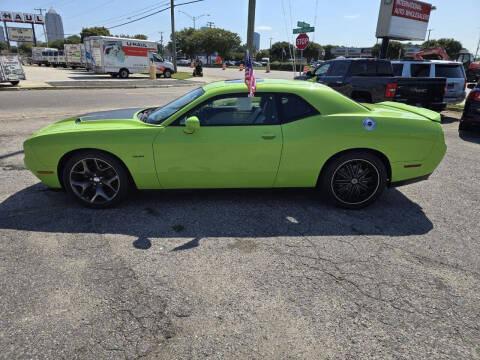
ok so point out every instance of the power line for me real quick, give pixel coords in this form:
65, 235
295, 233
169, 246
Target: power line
130, 14
154, 13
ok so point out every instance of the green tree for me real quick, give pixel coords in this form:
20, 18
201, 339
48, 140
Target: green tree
395, 50
73, 39
262, 54
313, 51
280, 51
140, 37
93, 31
3, 46
218, 40
186, 43
25, 48
451, 46
57, 44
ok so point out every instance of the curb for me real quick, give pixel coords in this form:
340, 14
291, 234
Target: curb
97, 87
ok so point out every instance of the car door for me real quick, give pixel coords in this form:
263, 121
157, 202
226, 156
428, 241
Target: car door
238, 145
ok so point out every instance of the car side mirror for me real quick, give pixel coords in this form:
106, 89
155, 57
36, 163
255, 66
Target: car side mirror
192, 124
471, 86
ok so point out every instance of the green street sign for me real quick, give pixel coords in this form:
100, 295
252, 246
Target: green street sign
302, 24
304, 30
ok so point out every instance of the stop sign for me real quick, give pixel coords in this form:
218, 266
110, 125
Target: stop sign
302, 41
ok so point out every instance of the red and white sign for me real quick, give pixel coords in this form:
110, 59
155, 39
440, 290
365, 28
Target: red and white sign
403, 19
302, 41
411, 9
18, 17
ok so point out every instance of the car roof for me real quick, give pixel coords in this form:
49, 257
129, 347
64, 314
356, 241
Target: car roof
266, 84
440, 62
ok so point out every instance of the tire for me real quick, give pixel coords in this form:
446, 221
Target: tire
463, 127
96, 179
123, 74
353, 180
14, 83
167, 74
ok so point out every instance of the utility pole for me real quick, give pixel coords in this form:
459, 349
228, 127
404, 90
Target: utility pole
44, 30
210, 24
174, 38
250, 25
429, 32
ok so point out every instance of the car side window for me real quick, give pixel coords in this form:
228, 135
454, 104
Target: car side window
293, 107
338, 68
322, 69
236, 110
397, 69
420, 70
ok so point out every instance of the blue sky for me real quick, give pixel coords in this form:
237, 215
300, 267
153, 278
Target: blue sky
345, 22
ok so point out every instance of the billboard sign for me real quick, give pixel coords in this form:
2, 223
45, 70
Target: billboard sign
403, 19
20, 34
19, 17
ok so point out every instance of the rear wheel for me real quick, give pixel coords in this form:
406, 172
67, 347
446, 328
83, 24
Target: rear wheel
96, 179
123, 74
354, 180
14, 83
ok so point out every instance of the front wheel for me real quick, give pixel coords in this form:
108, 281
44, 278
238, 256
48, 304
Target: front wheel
96, 179
14, 83
354, 180
167, 74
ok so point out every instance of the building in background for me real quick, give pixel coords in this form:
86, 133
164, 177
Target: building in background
2, 34
256, 41
54, 25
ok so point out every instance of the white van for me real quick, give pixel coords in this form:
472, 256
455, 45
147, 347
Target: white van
452, 70
121, 57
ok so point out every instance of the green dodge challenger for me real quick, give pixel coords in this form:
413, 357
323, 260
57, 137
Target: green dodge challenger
290, 134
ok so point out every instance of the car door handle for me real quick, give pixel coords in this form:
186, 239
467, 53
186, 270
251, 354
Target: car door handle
268, 136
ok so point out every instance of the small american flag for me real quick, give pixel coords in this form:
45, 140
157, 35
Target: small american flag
249, 75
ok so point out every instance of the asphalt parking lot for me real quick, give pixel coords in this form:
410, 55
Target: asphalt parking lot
234, 274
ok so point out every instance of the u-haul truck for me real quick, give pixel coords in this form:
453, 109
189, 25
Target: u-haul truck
74, 55
121, 57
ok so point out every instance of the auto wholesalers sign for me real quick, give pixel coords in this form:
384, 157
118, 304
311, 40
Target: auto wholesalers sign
403, 19
20, 34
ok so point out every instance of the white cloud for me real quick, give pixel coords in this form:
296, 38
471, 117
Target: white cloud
354, 16
264, 28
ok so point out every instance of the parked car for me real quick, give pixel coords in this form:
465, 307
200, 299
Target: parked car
230, 63
471, 113
184, 62
453, 71
257, 63
372, 81
289, 134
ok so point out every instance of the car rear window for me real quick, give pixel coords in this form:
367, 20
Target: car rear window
397, 69
420, 70
449, 71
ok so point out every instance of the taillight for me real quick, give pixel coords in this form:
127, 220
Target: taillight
390, 90
474, 95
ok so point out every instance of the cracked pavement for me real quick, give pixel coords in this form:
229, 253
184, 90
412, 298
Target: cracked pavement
234, 274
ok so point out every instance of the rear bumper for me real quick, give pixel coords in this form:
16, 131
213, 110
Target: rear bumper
455, 99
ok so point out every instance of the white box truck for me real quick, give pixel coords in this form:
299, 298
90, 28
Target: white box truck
73, 55
37, 55
121, 57
11, 69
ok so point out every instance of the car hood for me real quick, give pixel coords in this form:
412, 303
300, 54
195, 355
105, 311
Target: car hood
100, 120
118, 114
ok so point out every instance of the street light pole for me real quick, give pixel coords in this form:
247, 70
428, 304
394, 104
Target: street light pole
194, 18
174, 38
429, 31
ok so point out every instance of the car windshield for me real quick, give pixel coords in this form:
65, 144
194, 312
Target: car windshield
162, 113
